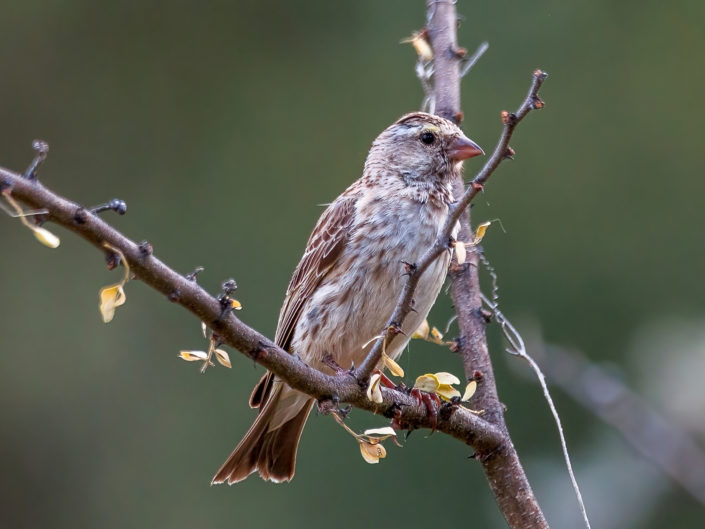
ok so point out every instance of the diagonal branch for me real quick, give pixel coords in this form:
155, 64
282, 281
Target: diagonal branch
500, 153
502, 467
183, 290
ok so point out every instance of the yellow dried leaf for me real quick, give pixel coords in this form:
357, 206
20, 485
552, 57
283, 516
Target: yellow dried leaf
446, 378
43, 235
235, 304
436, 336
46, 237
193, 356
460, 252
372, 452
427, 382
480, 232
394, 368
223, 358
421, 45
387, 430
422, 331
111, 297
374, 393
469, 390
447, 392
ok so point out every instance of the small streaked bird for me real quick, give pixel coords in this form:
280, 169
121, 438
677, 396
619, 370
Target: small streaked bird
347, 283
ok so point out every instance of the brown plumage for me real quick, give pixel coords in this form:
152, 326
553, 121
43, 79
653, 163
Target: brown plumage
345, 288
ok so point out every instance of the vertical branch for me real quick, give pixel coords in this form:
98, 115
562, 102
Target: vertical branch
441, 23
504, 472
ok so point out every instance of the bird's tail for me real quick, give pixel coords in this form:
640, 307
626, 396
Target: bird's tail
270, 445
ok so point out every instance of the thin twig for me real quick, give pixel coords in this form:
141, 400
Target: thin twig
517, 348
471, 61
403, 306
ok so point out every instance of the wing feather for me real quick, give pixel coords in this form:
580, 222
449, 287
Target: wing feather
323, 249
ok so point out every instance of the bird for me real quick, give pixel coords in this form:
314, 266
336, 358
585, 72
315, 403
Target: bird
346, 286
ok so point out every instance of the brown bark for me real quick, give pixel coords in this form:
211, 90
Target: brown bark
502, 466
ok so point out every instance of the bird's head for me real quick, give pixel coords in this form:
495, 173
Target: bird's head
421, 149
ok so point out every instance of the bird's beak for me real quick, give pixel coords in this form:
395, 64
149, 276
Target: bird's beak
463, 148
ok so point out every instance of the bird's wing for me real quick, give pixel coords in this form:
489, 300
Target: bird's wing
323, 249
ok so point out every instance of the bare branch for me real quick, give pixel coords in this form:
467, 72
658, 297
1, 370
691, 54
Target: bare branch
518, 348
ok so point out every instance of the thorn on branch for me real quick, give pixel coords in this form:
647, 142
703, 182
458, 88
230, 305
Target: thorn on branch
146, 249
192, 276
508, 118
540, 74
459, 53
537, 103
394, 329
448, 408
509, 153
409, 268
229, 286
485, 314
112, 260
80, 216
42, 149
116, 205
258, 352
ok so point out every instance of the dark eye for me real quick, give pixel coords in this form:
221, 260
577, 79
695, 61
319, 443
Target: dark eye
428, 138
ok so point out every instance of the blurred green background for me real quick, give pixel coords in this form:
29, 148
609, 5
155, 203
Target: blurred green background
224, 126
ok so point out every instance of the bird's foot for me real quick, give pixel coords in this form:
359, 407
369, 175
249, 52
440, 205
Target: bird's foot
432, 404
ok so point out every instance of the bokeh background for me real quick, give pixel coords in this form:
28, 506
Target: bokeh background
224, 126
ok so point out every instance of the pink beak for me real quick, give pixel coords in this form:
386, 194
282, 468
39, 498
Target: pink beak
463, 148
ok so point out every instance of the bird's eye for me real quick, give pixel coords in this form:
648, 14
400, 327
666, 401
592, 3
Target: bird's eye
428, 138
